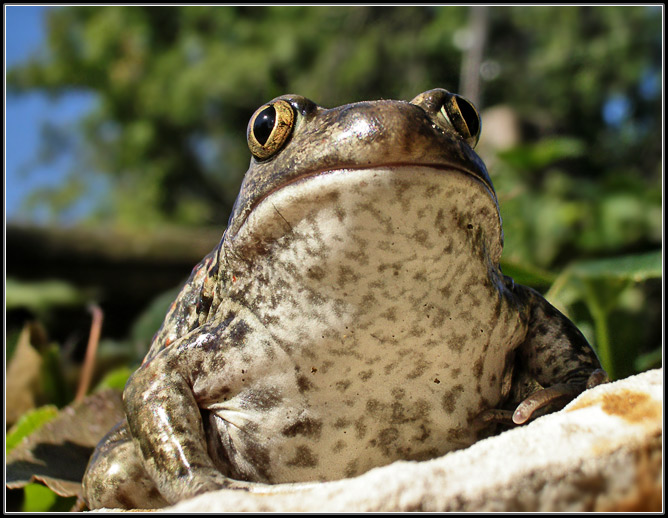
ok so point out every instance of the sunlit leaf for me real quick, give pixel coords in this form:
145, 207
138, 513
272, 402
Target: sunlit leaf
526, 274
38, 498
29, 423
115, 379
22, 377
57, 453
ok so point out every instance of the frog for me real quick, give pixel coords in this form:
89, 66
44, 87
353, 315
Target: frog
353, 314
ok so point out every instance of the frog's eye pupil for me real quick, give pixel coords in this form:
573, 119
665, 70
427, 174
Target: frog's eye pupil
269, 129
460, 115
264, 124
469, 114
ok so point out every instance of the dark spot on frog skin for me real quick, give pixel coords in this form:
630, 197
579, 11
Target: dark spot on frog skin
456, 434
358, 256
258, 455
340, 214
304, 458
420, 367
347, 276
420, 236
351, 469
307, 427
449, 399
366, 375
390, 314
432, 191
398, 393
341, 422
315, 299
478, 367
457, 343
386, 438
231, 315
125, 500
316, 273
304, 384
360, 428
540, 329
265, 399
342, 385
416, 331
238, 332
373, 407
339, 446
424, 435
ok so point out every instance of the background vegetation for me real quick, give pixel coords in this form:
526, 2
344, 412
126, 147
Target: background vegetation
579, 88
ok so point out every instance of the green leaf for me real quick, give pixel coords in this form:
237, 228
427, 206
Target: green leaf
636, 268
633, 268
527, 274
648, 361
30, 422
151, 318
40, 296
115, 379
54, 382
38, 498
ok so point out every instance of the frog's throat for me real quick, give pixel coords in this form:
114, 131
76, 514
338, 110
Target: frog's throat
243, 208
449, 200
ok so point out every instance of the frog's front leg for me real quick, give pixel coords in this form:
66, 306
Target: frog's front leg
164, 416
115, 476
556, 355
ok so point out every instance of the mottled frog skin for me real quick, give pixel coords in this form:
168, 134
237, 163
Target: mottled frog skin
353, 314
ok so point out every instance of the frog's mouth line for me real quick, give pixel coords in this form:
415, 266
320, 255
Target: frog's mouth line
445, 168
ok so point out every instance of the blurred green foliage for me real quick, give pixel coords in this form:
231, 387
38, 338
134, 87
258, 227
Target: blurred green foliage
177, 85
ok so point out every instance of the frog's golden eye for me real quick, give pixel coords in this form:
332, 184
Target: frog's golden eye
269, 128
463, 117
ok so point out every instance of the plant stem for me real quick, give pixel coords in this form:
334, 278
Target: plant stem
600, 318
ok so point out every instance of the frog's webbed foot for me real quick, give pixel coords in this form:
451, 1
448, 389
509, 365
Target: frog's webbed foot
554, 397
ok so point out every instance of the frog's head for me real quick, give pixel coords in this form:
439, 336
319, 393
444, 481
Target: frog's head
296, 142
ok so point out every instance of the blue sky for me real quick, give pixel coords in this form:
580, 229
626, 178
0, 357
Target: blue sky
25, 114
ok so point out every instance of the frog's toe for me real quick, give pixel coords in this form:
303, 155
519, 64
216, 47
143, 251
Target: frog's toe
598, 377
492, 416
555, 397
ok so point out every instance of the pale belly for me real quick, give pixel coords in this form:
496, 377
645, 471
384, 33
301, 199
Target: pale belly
339, 413
388, 335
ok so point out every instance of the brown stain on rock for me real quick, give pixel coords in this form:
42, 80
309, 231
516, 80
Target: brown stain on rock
646, 495
633, 407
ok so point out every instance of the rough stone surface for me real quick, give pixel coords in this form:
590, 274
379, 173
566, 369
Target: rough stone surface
603, 452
